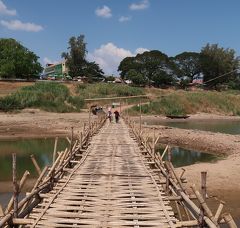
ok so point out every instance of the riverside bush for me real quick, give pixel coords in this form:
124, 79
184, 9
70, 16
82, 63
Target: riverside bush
107, 90
48, 96
187, 102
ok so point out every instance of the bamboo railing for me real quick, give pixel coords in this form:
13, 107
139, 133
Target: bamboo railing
186, 204
16, 211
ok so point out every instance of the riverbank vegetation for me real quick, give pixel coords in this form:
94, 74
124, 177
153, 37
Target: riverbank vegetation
180, 102
57, 97
48, 96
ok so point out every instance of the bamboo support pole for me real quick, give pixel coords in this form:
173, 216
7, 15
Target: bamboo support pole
229, 220
34, 161
164, 152
219, 210
15, 186
171, 168
54, 150
69, 141
1, 211
204, 205
203, 192
21, 184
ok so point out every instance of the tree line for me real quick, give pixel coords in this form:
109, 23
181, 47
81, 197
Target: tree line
214, 64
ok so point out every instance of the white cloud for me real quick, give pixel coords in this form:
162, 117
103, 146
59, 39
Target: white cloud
4, 10
141, 50
105, 12
124, 19
139, 6
46, 60
108, 56
18, 25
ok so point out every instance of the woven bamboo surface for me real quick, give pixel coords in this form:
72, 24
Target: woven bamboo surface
112, 185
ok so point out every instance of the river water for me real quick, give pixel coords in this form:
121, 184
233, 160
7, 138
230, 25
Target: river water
222, 126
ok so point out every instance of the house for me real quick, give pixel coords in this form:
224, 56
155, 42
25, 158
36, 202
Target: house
55, 71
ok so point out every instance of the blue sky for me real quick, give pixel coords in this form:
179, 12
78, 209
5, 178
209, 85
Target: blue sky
115, 29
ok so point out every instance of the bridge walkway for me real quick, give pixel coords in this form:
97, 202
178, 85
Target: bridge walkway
112, 185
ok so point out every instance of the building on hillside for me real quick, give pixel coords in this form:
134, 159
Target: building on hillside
55, 71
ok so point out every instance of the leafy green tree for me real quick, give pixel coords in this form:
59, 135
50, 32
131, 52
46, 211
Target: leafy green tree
16, 61
217, 61
136, 78
92, 71
76, 60
153, 67
76, 57
187, 64
126, 65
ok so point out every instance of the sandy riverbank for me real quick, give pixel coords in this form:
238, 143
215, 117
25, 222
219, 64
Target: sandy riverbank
223, 176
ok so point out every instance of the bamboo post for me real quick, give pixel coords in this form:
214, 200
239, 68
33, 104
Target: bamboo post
219, 210
229, 220
204, 184
204, 205
21, 184
15, 186
55, 149
140, 116
89, 118
203, 192
71, 143
164, 152
35, 164
1, 211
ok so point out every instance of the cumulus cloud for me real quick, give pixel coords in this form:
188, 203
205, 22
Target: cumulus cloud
18, 25
141, 50
105, 12
4, 10
124, 19
108, 56
139, 6
46, 60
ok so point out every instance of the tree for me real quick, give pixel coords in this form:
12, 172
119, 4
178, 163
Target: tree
92, 71
136, 78
16, 61
216, 61
126, 65
187, 64
152, 67
75, 58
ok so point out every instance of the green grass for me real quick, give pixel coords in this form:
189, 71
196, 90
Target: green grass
48, 96
100, 90
187, 102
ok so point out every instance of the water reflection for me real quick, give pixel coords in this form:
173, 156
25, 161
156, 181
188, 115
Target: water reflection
41, 148
184, 157
222, 126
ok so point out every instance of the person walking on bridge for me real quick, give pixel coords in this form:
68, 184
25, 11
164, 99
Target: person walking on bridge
117, 115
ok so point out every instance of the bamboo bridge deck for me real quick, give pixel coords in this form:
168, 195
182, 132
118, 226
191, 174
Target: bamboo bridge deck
111, 186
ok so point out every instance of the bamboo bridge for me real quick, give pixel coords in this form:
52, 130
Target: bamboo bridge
111, 176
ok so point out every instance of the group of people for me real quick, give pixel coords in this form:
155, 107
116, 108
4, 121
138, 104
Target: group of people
116, 115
